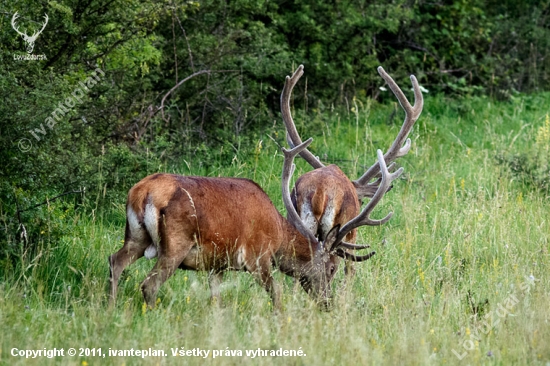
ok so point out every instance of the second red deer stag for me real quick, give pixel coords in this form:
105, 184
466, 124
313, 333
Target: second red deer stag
326, 197
218, 224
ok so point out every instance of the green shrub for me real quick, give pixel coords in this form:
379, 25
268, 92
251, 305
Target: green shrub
532, 166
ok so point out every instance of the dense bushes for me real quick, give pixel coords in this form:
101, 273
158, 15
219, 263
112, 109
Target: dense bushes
145, 48
532, 167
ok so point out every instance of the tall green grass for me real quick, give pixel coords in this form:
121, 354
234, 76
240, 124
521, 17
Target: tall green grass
464, 237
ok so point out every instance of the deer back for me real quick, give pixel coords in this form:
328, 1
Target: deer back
229, 218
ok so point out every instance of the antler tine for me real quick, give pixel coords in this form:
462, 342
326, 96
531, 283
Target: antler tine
363, 218
35, 34
288, 170
351, 246
412, 113
293, 137
14, 26
352, 257
45, 22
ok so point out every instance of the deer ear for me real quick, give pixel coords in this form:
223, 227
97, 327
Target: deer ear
330, 240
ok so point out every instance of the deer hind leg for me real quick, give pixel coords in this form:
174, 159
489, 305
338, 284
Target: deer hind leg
172, 250
136, 240
328, 221
163, 269
310, 221
308, 217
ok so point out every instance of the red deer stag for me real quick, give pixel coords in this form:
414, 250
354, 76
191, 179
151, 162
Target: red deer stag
217, 224
326, 197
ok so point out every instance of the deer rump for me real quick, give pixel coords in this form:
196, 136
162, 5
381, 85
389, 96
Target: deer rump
210, 219
323, 198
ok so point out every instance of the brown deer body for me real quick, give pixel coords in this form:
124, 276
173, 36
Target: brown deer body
211, 224
218, 224
326, 197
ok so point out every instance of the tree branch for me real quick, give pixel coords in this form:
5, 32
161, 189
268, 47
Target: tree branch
45, 202
161, 107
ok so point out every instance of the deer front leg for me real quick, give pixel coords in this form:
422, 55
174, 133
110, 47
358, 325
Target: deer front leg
261, 270
214, 280
264, 277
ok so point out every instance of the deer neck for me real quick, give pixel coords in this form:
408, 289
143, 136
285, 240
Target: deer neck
296, 253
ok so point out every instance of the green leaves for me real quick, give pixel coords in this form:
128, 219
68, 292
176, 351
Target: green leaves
463, 47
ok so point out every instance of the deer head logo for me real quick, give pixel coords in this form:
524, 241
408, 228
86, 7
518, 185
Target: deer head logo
28, 39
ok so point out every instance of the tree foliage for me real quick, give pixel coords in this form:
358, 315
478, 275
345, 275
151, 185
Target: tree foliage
239, 52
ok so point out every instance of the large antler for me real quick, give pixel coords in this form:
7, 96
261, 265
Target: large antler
364, 217
14, 25
43, 26
364, 187
334, 241
291, 133
24, 35
397, 149
288, 170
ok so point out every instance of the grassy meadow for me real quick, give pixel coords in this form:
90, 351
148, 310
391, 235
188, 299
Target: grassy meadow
461, 274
